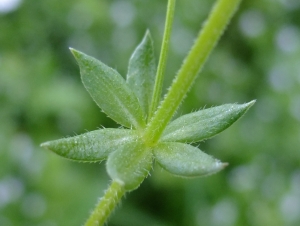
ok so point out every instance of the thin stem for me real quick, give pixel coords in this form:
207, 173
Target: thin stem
162, 58
205, 42
106, 204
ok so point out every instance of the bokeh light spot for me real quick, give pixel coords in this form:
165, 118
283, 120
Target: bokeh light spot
7, 6
122, 13
288, 39
224, 213
34, 205
252, 23
11, 189
280, 78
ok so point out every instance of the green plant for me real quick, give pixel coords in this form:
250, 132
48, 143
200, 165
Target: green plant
147, 133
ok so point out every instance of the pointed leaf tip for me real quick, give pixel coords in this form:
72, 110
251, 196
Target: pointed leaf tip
251, 103
44, 145
74, 52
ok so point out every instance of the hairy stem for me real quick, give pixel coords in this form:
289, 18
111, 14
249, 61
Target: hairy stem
162, 58
106, 204
205, 42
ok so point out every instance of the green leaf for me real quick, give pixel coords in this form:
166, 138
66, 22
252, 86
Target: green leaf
110, 91
185, 160
91, 146
141, 72
204, 124
130, 165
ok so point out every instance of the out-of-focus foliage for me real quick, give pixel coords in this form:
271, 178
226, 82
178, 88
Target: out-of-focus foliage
42, 98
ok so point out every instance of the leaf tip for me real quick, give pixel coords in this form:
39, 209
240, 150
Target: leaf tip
251, 103
75, 53
247, 106
218, 167
147, 37
147, 33
45, 145
224, 164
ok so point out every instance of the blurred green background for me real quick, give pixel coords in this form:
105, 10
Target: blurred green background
42, 98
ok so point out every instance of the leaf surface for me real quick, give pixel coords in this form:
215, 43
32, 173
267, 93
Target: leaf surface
185, 160
130, 165
92, 146
110, 91
141, 72
204, 124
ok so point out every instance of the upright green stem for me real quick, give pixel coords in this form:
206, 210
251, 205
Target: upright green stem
207, 39
106, 204
162, 58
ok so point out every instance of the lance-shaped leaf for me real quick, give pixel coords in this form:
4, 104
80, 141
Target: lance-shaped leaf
141, 72
110, 91
185, 160
204, 124
130, 165
91, 146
